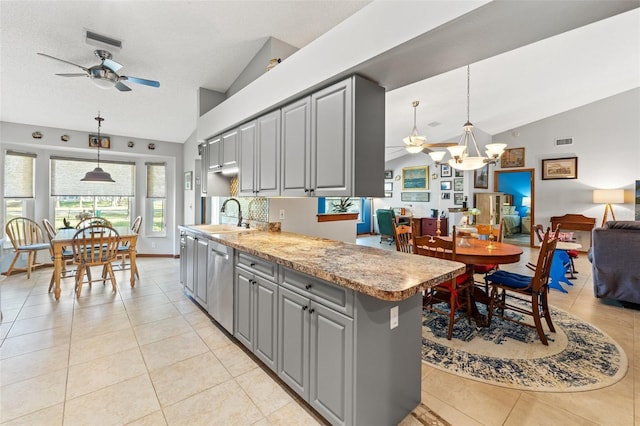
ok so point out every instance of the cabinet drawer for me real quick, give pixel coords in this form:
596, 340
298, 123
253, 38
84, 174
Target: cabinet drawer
257, 265
330, 295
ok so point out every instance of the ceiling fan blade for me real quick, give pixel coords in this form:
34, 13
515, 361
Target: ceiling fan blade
439, 144
112, 65
151, 83
62, 60
73, 75
122, 87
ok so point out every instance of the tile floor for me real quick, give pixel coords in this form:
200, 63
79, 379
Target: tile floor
150, 356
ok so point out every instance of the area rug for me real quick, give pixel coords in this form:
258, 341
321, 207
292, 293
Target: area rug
579, 357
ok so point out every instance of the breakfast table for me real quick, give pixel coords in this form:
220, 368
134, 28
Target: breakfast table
64, 237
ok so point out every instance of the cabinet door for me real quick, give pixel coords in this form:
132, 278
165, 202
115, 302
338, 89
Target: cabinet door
202, 258
295, 143
230, 149
213, 148
183, 259
246, 150
293, 341
331, 140
265, 336
204, 166
189, 283
268, 155
243, 311
331, 364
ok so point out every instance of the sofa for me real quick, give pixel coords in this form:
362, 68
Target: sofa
615, 261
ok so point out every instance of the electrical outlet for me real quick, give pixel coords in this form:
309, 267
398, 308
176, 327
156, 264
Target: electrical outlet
281, 214
393, 314
153, 245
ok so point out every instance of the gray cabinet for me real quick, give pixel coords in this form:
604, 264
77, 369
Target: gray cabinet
333, 141
256, 313
316, 344
183, 258
194, 252
203, 148
213, 158
189, 273
200, 266
223, 151
260, 156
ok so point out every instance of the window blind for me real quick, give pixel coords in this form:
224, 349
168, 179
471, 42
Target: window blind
67, 172
18, 174
156, 180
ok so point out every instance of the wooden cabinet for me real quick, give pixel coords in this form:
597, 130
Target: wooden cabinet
260, 156
429, 226
486, 201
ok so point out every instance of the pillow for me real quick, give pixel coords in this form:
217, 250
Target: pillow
565, 236
505, 210
512, 210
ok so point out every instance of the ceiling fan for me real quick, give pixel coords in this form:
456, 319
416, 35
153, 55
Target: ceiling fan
414, 143
105, 75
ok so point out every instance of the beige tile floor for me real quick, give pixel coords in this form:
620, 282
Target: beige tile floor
150, 356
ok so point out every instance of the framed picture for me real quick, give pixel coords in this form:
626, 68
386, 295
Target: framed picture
415, 196
638, 200
188, 176
388, 174
445, 195
445, 170
388, 194
458, 198
105, 141
388, 186
560, 168
458, 184
445, 185
458, 173
513, 157
481, 177
415, 178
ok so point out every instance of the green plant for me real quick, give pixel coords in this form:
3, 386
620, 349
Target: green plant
342, 205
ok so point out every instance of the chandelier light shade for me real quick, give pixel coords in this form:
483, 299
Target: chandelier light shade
97, 174
462, 154
414, 141
437, 156
608, 197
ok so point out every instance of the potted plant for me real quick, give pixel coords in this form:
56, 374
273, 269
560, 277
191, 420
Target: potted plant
342, 205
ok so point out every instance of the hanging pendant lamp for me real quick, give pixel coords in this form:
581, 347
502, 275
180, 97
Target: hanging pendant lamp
97, 174
461, 159
414, 141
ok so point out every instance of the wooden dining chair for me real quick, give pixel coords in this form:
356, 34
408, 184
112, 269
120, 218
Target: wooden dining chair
402, 235
450, 291
95, 245
26, 236
524, 294
487, 269
123, 249
92, 221
67, 255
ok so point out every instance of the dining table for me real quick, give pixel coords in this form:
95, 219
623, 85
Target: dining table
64, 237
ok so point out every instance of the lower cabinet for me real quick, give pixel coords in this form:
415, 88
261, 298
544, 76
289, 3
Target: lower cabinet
189, 273
315, 354
201, 283
194, 253
256, 315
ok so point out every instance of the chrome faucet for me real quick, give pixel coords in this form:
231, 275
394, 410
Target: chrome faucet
224, 207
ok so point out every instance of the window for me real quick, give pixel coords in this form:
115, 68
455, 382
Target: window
18, 185
74, 200
341, 205
156, 199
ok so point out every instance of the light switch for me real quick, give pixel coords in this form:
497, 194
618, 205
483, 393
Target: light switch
393, 323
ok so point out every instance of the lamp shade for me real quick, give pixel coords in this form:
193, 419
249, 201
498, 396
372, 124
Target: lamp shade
608, 196
526, 201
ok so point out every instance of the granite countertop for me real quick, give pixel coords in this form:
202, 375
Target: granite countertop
383, 274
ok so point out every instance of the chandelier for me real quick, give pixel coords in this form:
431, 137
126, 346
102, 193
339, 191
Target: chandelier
414, 141
97, 174
461, 154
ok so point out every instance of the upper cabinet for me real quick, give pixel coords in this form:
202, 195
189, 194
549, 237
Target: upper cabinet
203, 149
333, 142
213, 151
260, 157
223, 151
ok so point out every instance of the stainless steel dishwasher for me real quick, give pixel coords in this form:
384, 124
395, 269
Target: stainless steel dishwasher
220, 284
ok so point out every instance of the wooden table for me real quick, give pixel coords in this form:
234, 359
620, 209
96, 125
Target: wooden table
477, 253
64, 237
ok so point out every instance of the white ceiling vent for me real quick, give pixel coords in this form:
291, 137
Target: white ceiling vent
100, 40
564, 141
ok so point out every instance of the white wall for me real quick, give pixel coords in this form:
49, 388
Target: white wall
18, 137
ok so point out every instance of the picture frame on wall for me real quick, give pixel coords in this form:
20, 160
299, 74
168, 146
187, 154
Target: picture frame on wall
105, 141
560, 168
445, 195
481, 177
445, 185
458, 173
458, 184
458, 198
445, 170
512, 157
415, 196
188, 177
388, 186
388, 174
388, 194
415, 178
638, 200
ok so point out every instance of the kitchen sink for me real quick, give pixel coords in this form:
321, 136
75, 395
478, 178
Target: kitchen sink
221, 229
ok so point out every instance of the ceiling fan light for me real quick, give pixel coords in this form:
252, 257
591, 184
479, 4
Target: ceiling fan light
414, 140
437, 156
414, 149
457, 151
469, 163
495, 149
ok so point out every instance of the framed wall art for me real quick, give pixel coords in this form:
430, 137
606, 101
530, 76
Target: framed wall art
445, 195
481, 177
388, 186
458, 184
445, 170
388, 174
415, 196
415, 178
513, 157
458, 198
187, 180
105, 141
445, 185
560, 168
458, 173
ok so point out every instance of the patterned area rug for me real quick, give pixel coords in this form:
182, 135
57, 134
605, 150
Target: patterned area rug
579, 357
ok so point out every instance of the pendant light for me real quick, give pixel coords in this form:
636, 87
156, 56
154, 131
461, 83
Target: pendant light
414, 141
461, 159
97, 174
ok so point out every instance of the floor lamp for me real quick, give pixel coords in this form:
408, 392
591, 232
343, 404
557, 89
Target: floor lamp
608, 197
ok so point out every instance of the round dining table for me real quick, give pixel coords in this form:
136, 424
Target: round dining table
476, 252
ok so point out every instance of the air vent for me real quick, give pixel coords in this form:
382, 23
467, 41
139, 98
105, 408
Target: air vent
564, 141
99, 40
